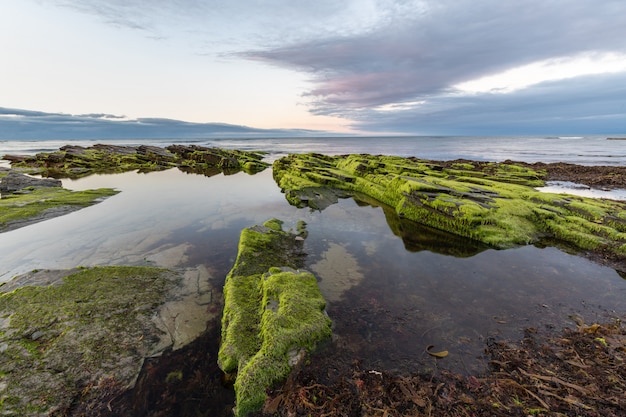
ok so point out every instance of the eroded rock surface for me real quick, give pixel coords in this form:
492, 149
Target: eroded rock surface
68, 336
30, 200
273, 313
73, 161
15, 181
493, 203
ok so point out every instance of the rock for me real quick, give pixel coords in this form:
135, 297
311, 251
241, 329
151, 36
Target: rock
493, 203
273, 313
14, 181
73, 161
73, 150
17, 158
155, 150
66, 332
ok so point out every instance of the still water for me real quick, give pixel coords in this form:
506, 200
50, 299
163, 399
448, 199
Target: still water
393, 287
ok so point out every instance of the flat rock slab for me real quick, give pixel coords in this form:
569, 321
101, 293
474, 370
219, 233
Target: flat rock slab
497, 204
15, 181
68, 336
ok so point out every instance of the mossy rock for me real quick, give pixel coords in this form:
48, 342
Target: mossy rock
493, 203
273, 312
76, 161
37, 204
64, 334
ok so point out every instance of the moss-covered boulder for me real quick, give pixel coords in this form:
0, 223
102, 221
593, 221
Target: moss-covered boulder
73, 161
66, 336
273, 312
494, 203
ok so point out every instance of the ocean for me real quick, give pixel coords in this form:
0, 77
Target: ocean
583, 150
389, 296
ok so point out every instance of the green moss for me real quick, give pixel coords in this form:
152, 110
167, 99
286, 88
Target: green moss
493, 203
63, 337
174, 376
463, 166
271, 310
76, 161
28, 206
274, 224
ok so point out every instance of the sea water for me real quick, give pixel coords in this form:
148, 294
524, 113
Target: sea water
583, 150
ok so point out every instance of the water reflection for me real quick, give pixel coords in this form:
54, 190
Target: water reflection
393, 287
418, 237
143, 220
396, 302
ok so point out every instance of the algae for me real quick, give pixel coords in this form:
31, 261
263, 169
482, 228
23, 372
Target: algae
273, 312
72, 161
36, 204
64, 337
492, 203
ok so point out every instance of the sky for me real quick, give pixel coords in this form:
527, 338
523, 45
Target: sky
373, 67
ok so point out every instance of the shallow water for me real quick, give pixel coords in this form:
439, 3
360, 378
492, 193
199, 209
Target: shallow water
400, 301
568, 187
393, 287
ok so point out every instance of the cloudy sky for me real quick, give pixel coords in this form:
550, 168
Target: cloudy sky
458, 67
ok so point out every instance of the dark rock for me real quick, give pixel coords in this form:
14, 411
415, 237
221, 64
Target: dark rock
17, 158
115, 149
73, 150
14, 181
155, 150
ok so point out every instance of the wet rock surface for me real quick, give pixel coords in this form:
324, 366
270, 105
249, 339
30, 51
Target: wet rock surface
493, 203
75, 336
30, 200
597, 176
14, 181
605, 177
73, 161
273, 314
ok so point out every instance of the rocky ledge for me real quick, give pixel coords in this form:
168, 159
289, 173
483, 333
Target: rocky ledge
14, 183
273, 315
68, 338
493, 203
73, 161
27, 200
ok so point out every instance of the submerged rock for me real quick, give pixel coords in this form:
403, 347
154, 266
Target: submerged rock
339, 271
273, 312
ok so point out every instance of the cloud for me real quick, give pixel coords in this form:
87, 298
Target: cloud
589, 104
4, 111
16, 124
102, 116
396, 65
220, 27
424, 54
